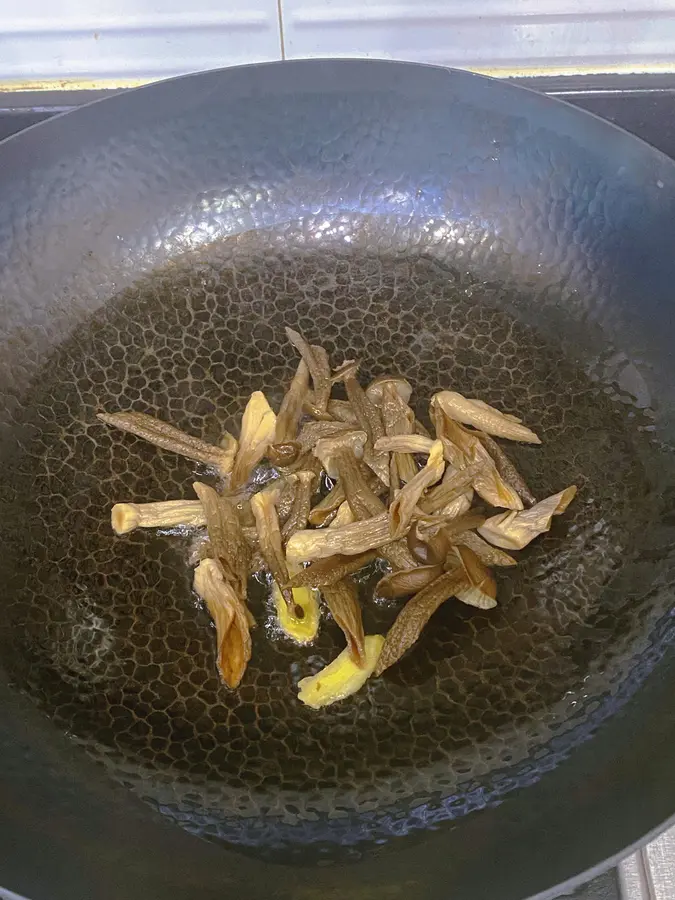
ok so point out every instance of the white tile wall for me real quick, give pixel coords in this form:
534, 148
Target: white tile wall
119, 41
488, 34
113, 42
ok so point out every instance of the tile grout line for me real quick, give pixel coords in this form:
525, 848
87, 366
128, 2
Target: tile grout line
280, 16
648, 874
636, 881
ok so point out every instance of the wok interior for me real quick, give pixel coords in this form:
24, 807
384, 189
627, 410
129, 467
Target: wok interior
107, 637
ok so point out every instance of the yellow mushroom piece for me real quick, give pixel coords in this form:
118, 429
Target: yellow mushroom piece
470, 411
125, 517
342, 677
258, 425
514, 530
343, 516
303, 629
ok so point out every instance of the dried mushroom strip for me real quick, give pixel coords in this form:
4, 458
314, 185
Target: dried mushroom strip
343, 516
427, 527
317, 362
302, 501
379, 500
364, 503
414, 616
331, 570
229, 444
406, 581
484, 418
228, 543
453, 486
398, 419
405, 443
343, 602
486, 553
342, 411
515, 530
368, 417
491, 487
370, 534
507, 470
233, 638
258, 563
269, 538
391, 395
398, 554
306, 462
283, 489
458, 506
285, 448
481, 588
376, 390
403, 507
163, 435
336, 449
480, 470
439, 535
313, 431
321, 513
125, 517
462, 448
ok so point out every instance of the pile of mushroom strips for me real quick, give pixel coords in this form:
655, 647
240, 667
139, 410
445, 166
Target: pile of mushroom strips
346, 482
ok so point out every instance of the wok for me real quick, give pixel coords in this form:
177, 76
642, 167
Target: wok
460, 231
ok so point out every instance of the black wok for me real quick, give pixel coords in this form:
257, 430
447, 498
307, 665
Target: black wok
457, 230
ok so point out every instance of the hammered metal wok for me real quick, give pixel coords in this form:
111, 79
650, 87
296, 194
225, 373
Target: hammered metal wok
452, 228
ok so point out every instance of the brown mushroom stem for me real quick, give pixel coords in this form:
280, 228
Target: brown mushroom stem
369, 420
330, 570
285, 449
163, 435
365, 503
316, 359
302, 502
407, 581
331, 450
311, 432
343, 602
271, 548
349, 540
415, 615
228, 543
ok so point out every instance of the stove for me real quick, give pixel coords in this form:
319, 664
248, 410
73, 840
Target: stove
643, 105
